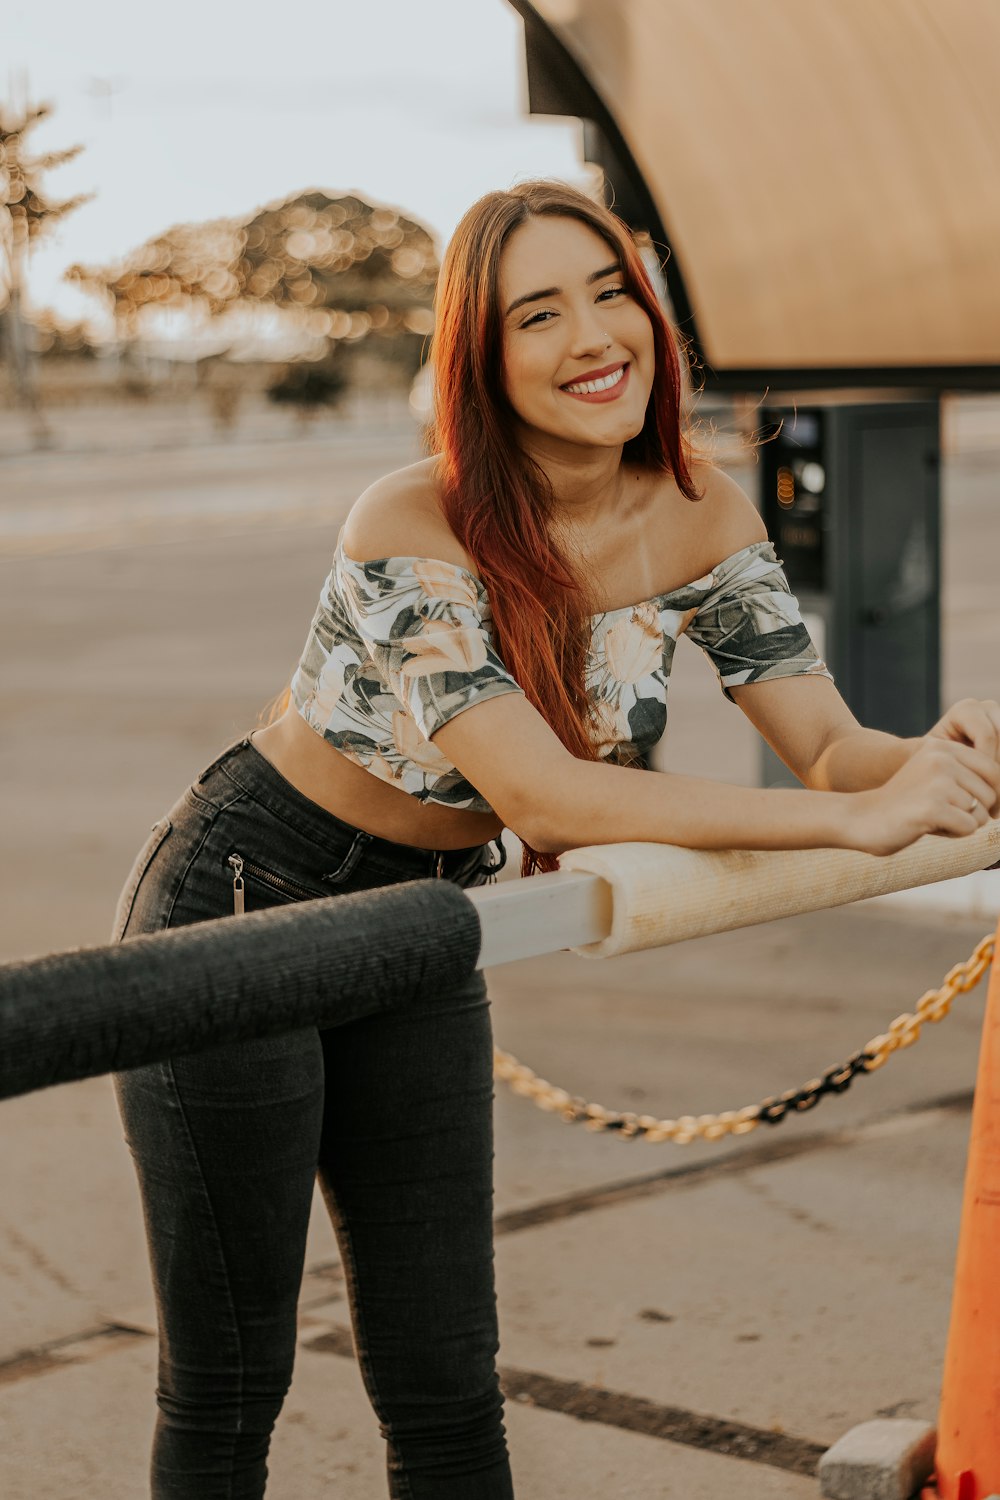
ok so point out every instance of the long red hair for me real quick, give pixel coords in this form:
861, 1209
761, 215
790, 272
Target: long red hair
497, 500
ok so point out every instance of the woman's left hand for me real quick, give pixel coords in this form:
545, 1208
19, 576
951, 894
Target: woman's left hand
975, 722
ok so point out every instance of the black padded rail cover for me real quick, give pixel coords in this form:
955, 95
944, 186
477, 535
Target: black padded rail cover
159, 995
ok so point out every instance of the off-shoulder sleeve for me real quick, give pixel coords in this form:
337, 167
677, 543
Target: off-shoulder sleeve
748, 622
427, 627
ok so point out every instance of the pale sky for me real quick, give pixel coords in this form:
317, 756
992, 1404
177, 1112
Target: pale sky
215, 110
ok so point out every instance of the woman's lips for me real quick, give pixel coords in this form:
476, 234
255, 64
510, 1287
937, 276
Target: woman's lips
611, 394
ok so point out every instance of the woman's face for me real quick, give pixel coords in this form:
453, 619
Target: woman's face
577, 348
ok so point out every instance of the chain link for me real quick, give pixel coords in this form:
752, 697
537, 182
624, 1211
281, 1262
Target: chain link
902, 1032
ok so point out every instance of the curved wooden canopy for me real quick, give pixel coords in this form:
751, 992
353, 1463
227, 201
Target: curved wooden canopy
826, 175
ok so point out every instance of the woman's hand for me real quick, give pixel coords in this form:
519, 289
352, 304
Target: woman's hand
948, 786
972, 721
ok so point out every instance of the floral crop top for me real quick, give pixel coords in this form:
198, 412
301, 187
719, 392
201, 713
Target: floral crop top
399, 646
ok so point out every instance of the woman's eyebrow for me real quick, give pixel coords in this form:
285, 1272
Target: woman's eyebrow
554, 291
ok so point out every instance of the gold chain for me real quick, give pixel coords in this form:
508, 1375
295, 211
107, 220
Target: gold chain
902, 1032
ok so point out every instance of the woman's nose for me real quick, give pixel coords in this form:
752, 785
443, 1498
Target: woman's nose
590, 338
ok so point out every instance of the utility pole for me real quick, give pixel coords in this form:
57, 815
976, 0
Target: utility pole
13, 238
102, 90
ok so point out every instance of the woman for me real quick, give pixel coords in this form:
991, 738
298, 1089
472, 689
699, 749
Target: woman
490, 649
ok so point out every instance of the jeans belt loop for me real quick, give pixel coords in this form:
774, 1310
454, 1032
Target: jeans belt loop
350, 861
226, 754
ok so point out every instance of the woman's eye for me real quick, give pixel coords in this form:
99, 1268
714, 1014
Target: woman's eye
535, 318
611, 291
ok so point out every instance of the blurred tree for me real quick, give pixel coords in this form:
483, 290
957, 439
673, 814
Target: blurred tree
53, 336
25, 214
334, 267
185, 265
318, 251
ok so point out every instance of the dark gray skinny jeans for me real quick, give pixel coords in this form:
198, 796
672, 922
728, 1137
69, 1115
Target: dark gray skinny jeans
394, 1111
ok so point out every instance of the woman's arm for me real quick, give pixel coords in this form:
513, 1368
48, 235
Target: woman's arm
809, 726
556, 802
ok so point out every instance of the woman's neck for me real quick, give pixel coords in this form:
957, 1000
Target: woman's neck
590, 486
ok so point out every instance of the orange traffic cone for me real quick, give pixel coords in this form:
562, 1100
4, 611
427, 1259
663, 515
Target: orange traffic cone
968, 1443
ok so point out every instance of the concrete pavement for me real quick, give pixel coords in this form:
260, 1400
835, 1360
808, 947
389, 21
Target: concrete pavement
677, 1322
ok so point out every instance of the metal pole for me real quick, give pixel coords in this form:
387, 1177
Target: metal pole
159, 995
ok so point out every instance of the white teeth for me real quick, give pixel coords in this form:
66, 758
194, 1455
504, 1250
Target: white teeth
590, 387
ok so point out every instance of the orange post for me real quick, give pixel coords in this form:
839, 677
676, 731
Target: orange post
968, 1443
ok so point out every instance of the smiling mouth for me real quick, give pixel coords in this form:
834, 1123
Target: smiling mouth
605, 388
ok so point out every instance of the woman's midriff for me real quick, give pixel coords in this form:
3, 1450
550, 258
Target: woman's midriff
326, 777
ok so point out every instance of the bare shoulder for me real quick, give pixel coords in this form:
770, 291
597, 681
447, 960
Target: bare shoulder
728, 516
400, 515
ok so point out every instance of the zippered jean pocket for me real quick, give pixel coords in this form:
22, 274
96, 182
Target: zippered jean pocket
285, 888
